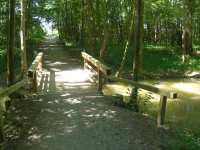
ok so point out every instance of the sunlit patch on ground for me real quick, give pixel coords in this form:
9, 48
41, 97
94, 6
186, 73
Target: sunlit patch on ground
61, 80
72, 101
188, 87
72, 76
117, 89
56, 63
185, 87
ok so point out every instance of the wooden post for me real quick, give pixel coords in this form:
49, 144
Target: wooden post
100, 81
41, 65
1, 126
162, 110
32, 79
35, 81
85, 67
11, 43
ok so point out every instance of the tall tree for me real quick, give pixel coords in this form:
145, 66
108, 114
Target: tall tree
24, 64
11, 45
138, 45
105, 40
187, 28
138, 39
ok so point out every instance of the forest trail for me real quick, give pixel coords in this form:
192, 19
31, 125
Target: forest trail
69, 114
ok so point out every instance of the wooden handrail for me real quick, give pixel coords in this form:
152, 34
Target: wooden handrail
38, 59
98, 66
6, 92
146, 87
33, 68
96, 63
13, 88
164, 95
33, 71
104, 72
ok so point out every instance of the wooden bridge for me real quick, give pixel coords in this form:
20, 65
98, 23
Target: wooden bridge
62, 109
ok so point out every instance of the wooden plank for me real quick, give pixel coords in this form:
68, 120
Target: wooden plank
146, 87
96, 64
9, 90
13, 88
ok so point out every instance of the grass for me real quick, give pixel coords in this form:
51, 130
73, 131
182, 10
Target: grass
191, 140
188, 140
156, 60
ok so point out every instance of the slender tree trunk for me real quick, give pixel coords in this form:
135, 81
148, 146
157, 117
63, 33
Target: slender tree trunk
82, 32
118, 73
11, 45
138, 38
187, 29
138, 44
98, 20
91, 26
156, 32
28, 20
105, 41
24, 64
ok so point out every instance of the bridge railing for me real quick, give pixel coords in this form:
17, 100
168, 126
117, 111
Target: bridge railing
104, 74
30, 80
34, 71
91, 64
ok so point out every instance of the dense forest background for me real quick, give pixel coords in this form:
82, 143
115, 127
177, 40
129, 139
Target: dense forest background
170, 34
35, 33
171, 31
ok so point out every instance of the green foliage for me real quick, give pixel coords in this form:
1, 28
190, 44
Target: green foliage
114, 56
2, 52
188, 140
157, 60
37, 34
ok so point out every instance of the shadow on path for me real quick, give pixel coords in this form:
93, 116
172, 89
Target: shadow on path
68, 113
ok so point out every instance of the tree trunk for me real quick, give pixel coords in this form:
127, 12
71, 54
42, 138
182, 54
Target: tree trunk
28, 16
187, 29
82, 30
138, 38
138, 44
105, 41
11, 45
24, 64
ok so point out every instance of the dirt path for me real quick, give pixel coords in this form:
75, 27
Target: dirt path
68, 113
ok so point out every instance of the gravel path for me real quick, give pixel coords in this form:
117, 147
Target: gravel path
68, 113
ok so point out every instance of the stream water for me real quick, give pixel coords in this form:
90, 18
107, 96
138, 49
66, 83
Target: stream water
183, 112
